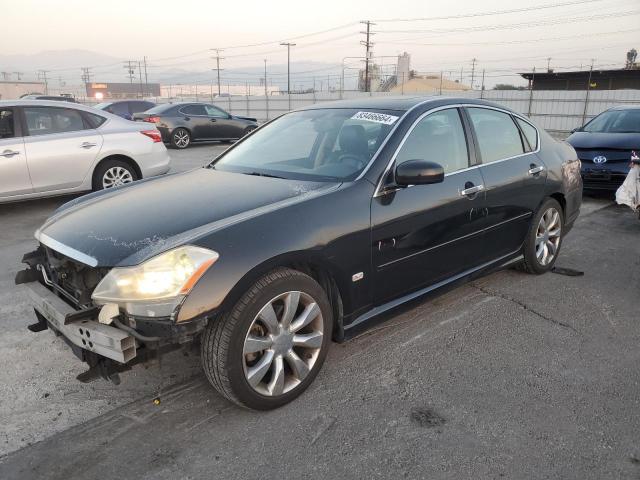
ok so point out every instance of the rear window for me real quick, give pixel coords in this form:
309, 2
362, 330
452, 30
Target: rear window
93, 119
6, 123
162, 108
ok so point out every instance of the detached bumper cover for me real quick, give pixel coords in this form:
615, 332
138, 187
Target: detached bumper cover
89, 335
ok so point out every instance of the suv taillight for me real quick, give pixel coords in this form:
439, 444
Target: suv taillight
152, 119
153, 135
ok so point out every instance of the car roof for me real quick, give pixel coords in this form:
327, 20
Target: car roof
402, 103
45, 103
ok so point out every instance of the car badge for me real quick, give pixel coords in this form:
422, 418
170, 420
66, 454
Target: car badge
600, 159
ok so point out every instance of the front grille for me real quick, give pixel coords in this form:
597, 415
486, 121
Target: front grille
609, 181
74, 280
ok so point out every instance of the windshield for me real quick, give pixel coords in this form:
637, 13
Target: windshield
319, 145
615, 121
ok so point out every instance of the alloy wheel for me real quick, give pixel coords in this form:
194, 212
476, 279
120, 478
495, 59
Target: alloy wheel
548, 236
116, 176
283, 343
181, 138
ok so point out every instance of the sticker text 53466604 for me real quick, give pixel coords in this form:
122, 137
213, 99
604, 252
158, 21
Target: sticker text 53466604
375, 117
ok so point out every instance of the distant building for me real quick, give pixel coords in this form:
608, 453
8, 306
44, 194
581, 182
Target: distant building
112, 91
429, 84
403, 70
600, 80
10, 90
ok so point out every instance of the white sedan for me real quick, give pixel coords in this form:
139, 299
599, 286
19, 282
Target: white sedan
50, 148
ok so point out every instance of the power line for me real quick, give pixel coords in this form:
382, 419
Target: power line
488, 13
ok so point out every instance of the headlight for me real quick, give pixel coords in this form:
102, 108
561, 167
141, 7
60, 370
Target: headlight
155, 287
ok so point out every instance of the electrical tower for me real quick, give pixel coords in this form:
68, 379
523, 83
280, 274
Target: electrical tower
19, 75
42, 75
130, 65
217, 69
86, 75
367, 44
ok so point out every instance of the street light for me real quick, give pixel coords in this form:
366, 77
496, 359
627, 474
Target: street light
288, 45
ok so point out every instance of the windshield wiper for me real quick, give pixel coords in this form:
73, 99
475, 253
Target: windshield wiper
261, 174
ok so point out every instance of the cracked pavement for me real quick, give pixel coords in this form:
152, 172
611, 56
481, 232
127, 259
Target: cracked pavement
510, 376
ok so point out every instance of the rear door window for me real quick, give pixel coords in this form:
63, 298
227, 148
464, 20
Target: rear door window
194, 110
7, 124
530, 134
47, 120
497, 134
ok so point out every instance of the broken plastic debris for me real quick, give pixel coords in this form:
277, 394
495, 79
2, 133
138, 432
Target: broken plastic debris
156, 401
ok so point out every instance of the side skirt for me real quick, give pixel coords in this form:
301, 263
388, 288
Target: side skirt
383, 312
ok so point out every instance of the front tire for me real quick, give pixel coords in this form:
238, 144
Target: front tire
180, 138
269, 348
544, 239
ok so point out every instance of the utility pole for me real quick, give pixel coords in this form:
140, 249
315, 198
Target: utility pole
473, 71
265, 78
586, 98
146, 78
440, 82
482, 87
140, 77
549, 65
42, 75
218, 58
288, 45
367, 45
86, 75
131, 71
5, 75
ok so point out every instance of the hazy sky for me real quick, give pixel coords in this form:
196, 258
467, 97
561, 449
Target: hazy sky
177, 34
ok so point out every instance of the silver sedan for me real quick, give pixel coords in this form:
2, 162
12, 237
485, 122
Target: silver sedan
49, 148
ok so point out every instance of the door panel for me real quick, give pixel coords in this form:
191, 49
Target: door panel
14, 173
61, 160
196, 120
222, 126
514, 179
426, 233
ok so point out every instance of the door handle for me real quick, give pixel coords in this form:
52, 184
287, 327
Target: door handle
535, 170
9, 153
214, 120
467, 192
87, 145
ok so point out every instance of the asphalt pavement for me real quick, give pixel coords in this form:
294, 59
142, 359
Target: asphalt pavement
511, 376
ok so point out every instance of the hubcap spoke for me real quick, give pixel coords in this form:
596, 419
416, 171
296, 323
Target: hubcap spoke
256, 373
276, 385
255, 344
291, 302
268, 317
300, 369
309, 340
548, 236
307, 316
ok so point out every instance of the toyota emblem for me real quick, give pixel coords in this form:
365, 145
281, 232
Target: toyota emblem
599, 159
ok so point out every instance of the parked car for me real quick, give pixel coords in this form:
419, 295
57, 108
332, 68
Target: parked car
57, 98
302, 232
184, 123
125, 108
47, 148
604, 146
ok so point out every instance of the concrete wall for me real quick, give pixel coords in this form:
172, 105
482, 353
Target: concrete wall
556, 111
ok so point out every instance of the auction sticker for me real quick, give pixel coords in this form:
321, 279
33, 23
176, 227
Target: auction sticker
375, 117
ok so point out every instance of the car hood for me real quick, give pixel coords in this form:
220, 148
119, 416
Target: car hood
596, 141
128, 225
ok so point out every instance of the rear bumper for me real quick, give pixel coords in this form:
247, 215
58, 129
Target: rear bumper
157, 162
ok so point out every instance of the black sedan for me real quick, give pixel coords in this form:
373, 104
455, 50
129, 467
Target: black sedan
183, 123
126, 108
309, 229
604, 146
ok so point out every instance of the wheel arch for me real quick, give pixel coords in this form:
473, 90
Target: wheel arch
123, 158
314, 265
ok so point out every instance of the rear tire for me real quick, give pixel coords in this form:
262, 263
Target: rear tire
544, 238
180, 138
113, 173
259, 356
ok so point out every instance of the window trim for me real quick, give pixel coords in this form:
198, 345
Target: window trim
27, 133
380, 191
17, 122
524, 136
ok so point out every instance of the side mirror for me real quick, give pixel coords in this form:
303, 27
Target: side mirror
577, 129
418, 172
